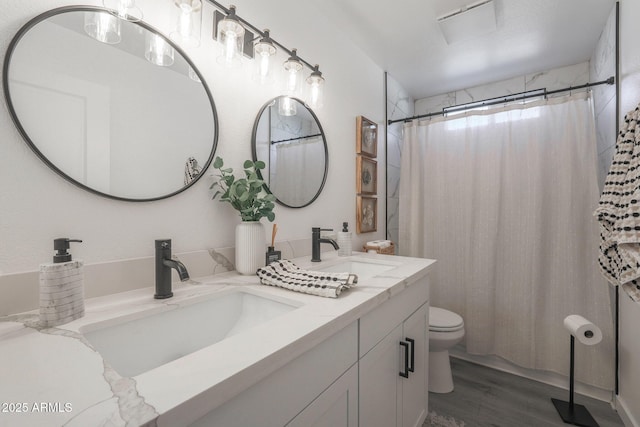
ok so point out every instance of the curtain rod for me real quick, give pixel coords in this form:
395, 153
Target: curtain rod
296, 139
501, 100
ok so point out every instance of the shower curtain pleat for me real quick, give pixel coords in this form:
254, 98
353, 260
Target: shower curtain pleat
503, 200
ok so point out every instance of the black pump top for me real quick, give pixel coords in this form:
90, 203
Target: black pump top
62, 245
345, 227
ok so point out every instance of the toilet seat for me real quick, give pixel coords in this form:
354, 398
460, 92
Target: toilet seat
441, 320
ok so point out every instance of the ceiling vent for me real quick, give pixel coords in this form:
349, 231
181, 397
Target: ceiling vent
469, 21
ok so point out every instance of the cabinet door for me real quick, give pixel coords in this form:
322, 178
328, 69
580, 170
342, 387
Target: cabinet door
414, 388
337, 406
379, 380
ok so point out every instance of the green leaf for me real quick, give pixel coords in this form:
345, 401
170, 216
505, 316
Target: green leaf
247, 164
271, 216
259, 165
217, 163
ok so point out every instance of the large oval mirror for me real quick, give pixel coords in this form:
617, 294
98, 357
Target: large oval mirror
287, 136
110, 105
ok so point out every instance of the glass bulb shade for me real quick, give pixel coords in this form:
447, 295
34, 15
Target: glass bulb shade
103, 27
264, 55
186, 16
287, 106
158, 51
292, 77
315, 91
124, 9
231, 37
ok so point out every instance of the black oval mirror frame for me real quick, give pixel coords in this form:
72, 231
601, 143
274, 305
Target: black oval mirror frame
254, 136
10, 104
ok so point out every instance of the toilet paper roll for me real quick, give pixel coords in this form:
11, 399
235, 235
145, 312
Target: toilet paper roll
584, 331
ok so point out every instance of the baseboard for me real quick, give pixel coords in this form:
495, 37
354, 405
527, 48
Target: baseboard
545, 377
625, 414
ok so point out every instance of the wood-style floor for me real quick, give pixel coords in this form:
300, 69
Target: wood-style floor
485, 397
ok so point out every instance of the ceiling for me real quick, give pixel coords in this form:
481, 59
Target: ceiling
404, 38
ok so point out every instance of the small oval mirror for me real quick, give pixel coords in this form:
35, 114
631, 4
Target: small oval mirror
287, 136
110, 105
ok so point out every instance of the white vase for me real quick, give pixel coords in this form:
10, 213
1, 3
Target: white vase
250, 247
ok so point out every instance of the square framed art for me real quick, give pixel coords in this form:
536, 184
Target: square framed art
366, 214
366, 176
366, 137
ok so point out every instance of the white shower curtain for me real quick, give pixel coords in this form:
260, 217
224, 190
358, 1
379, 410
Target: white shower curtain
503, 199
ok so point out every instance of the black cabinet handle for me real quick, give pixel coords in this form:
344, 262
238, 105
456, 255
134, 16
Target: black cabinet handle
405, 373
412, 365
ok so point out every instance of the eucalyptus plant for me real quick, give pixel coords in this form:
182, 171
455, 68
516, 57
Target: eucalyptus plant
247, 194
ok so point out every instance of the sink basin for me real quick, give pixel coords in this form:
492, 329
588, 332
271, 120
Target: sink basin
136, 345
361, 268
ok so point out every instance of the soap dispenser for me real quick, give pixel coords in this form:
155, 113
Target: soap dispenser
344, 240
61, 286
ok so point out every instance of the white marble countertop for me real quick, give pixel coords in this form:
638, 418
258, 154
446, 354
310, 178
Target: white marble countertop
53, 377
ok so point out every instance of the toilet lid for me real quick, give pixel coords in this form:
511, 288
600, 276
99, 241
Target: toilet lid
444, 320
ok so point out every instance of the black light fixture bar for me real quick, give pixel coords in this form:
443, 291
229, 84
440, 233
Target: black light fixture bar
501, 100
260, 32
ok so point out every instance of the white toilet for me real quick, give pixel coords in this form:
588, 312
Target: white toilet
446, 329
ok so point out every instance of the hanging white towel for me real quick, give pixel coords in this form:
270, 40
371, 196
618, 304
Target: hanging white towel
285, 274
619, 211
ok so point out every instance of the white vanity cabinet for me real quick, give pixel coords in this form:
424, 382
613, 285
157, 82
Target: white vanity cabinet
393, 364
318, 388
337, 406
349, 379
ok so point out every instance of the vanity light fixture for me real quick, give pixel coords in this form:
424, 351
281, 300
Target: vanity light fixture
231, 36
264, 53
293, 74
315, 88
186, 16
124, 9
241, 35
158, 51
103, 27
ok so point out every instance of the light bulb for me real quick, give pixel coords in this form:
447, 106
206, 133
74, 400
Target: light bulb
264, 52
158, 51
231, 35
230, 45
102, 27
292, 71
287, 106
315, 85
187, 17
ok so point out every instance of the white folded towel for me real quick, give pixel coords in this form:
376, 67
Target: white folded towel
379, 244
285, 274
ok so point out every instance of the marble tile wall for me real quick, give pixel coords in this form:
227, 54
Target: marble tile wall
603, 66
399, 105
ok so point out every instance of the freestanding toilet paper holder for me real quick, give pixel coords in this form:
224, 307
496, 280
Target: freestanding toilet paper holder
570, 412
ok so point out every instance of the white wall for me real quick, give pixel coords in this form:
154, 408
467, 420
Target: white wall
629, 397
36, 205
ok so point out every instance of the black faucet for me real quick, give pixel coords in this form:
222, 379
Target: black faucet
164, 264
316, 240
